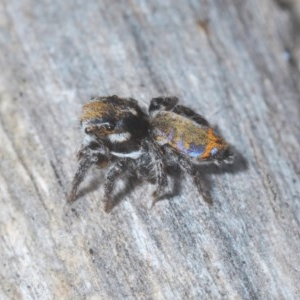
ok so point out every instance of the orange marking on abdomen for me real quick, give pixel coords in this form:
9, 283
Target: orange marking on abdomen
214, 142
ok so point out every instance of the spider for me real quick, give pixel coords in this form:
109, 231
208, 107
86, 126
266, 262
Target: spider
120, 137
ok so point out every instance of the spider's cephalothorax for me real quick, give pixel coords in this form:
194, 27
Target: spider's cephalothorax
118, 135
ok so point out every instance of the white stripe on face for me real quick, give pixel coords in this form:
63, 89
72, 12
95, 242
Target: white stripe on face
134, 155
119, 137
133, 111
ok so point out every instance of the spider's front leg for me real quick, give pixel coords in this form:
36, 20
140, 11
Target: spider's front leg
116, 171
93, 153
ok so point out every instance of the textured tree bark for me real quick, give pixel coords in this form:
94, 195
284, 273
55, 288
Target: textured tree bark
236, 63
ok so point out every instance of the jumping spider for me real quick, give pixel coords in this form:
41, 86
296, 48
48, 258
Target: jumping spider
120, 136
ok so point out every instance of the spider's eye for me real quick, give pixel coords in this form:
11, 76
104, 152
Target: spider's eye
109, 126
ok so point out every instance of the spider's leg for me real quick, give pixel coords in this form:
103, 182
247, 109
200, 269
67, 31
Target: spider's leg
87, 156
158, 167
116, 171
162, 104
190, 168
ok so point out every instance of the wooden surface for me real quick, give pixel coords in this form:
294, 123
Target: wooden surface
237, 63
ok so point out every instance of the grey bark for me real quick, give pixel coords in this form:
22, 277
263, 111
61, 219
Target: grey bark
236, 63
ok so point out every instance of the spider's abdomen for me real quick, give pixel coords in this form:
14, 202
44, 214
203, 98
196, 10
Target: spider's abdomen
186, 136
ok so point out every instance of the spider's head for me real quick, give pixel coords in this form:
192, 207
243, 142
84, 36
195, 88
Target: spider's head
114, 119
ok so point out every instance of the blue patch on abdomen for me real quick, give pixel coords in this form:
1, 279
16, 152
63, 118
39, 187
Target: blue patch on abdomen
193, 150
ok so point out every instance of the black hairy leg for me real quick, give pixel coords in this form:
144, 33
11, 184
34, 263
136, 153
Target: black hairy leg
84, 165
190, 114
161, 182
170, 104
116, 170
87, 156
191, 169
162, 104
160, 174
